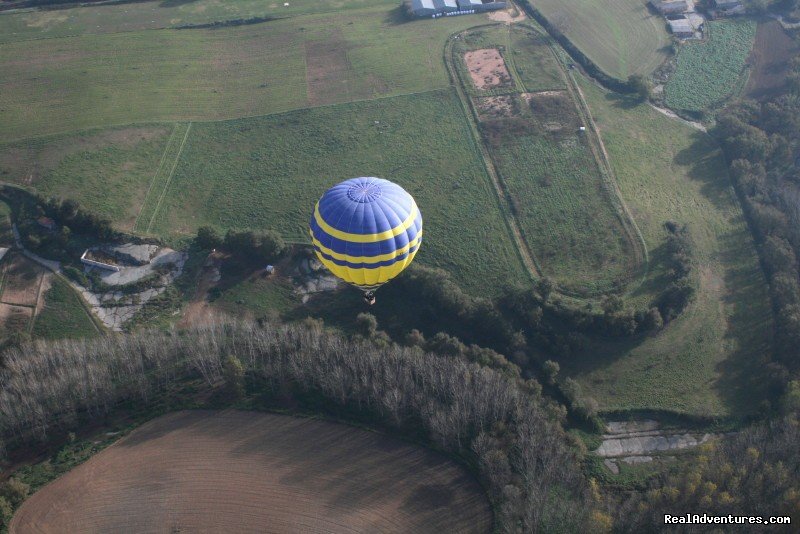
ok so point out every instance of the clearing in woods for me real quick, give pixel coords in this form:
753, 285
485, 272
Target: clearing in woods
622, 37
239, 471
711, 359
548, 172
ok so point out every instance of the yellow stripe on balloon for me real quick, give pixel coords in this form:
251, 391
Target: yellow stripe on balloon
366, 238
367, 259
368, 277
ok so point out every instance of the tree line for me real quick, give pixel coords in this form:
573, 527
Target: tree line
500, 424
761, 140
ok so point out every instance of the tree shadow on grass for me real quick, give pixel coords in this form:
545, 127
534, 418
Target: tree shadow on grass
622, 101
397, 16
707, 165
743, 380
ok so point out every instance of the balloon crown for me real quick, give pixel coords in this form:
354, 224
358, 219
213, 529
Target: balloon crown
364, 192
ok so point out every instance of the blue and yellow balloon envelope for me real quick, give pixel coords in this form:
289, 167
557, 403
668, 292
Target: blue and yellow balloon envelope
366, 231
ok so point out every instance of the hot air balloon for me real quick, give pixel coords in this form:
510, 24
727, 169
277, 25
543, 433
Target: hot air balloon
366, 231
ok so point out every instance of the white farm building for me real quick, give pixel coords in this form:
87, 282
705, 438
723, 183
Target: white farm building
428, 8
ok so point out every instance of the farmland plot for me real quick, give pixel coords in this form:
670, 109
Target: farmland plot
550, 176
95, 80
268, 172
709, 72
621, 36
241, 472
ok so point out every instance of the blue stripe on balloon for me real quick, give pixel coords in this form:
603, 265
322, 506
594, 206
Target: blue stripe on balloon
367, 265
366, 249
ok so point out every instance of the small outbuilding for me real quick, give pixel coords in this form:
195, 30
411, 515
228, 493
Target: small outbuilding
47, 223
681, 28
671, 7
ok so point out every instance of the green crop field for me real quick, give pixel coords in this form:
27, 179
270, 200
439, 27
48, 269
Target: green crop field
107, 170
267, 172
95, 80
708, 72
63, 315
709, 361
622, 37
28, 24
548, 169
535, 64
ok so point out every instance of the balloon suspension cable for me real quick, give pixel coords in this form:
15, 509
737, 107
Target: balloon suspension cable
369, 297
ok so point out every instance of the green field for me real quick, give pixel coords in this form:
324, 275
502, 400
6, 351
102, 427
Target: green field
548, 170
107, 170
534, 63
63, 315
267, 172
97, 80
622, 37
708, 72
28, 24
709, 361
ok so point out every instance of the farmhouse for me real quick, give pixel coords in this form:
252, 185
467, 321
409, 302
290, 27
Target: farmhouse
669, 7
681, 27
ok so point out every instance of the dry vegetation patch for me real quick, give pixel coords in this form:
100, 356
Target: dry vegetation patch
487, 68
232, 471
21, 282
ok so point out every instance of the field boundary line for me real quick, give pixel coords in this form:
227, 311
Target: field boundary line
169, 177
155, 176
523, 248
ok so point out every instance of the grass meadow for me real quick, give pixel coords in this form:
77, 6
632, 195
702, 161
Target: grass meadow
710, 71
622, 37
79, 82
710, 360
63, 315
268, 172
105, 170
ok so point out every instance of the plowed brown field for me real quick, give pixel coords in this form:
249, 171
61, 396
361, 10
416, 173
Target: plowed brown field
232, 471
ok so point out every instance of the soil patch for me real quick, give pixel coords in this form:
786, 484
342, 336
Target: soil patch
496, 107
772, 51
232, 471
487, 68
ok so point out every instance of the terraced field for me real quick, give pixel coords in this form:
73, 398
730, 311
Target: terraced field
621, 36
241, 472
